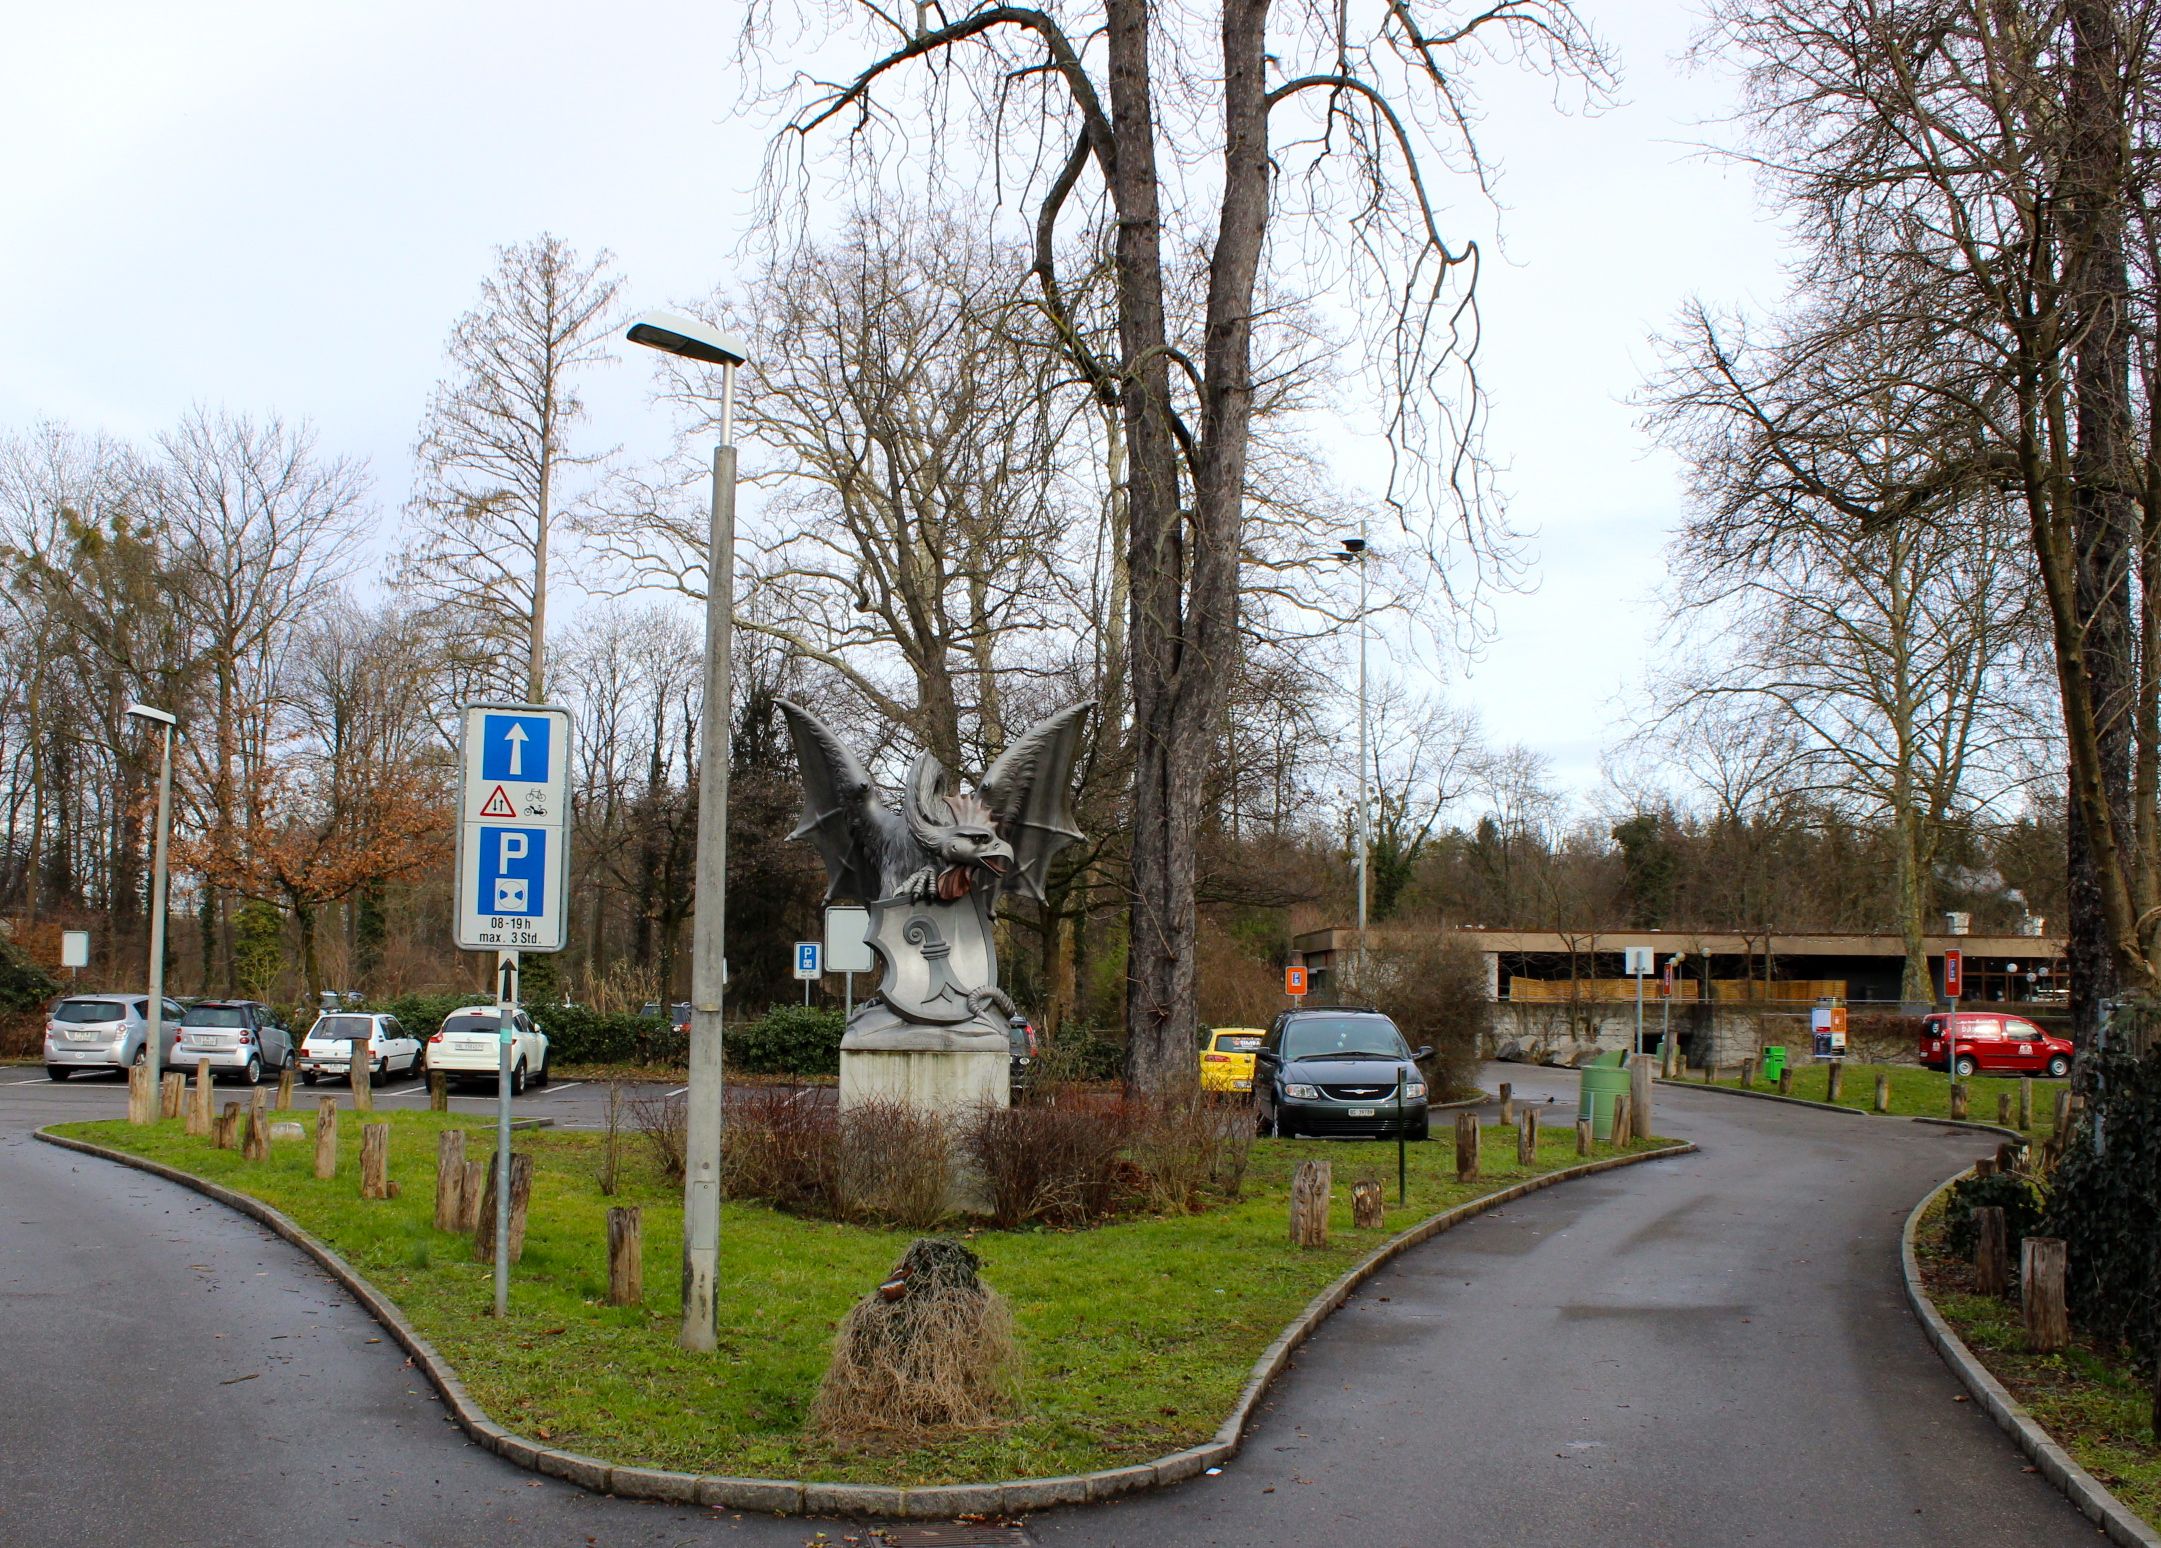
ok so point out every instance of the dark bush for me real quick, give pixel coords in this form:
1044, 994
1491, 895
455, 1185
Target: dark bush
781, 1144
2105, 1202
1048, 1165
24, 986
1883, 1037
1434, 988
1078, 1054
2022, 1200
1189, 1147
788, 1040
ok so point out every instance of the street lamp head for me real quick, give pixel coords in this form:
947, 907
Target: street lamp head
145, 712
1353, 547
686, 336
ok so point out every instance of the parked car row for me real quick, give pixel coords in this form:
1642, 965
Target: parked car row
245, 1041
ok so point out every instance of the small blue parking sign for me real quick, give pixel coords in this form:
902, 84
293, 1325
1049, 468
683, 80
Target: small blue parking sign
515, 747
513, 871
806, 959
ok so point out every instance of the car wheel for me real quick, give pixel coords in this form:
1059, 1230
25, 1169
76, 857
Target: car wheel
253, 1074
1966, 1066
142, 1055
55, 1072
517, 1078
308, 1078
2059, 1066
541, 1076
1422, 1129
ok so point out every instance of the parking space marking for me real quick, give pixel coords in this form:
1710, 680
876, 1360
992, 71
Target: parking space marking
678, 1091
555, 1090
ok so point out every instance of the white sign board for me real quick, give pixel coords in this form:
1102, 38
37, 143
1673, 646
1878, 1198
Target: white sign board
806, 959
514, 828
74, 948
847, 947
1642, 961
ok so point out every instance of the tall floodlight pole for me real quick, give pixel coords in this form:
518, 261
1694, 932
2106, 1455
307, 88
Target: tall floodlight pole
1355, 550
694, 340
156, 1038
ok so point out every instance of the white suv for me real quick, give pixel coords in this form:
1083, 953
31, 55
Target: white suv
468, 1047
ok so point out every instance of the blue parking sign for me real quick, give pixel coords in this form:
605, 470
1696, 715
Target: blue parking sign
513, 871
515, 747
806, 959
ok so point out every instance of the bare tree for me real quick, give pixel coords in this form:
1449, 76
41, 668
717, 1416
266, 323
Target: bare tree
496, 444
1301, 129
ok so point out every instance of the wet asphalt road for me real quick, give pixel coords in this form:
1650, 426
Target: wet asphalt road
1705, 1351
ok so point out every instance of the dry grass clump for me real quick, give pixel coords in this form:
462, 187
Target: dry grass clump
931, 1349
781, 1144
1189, 1146
1057, 1166
892, 1165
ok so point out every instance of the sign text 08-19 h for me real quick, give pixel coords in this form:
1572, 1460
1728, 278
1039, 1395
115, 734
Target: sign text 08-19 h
514, 828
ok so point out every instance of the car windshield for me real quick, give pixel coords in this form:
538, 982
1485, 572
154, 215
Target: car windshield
215, 1016
342, 1029
89, 1010
1322, 1037
490, 1026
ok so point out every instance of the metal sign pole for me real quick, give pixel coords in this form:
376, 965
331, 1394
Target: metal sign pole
507, 1008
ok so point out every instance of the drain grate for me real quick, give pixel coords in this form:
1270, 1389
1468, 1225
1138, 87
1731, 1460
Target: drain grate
953, 1534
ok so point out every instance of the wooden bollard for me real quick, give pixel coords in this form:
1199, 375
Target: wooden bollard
1527, 1138
1985, 1167
1748, 1073
1623, 1119
142, 1096
1508, 1103
362, 1078
326, 1137
2042, 1264
257, 1147
438, 1092
1310, 1188
1834, 1082
2008, 1156
1785, 1081
1883, 1093
626, 1252
1710, 1073
473, 1196
2025, 1101
1959, 1095
2063, 1111
1640, 1071
1366, 1210
199, 1105
1583, 1136
1467, 1133
375, 1161
228, 1130
1991, 1251
172, 1093
449, 1179
285, 1088
2003, 1108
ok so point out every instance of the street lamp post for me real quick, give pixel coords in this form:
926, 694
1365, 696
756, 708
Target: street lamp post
1354, 549
156, 1035
694, 340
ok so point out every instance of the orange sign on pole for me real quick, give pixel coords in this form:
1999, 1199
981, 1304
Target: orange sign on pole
1294, 982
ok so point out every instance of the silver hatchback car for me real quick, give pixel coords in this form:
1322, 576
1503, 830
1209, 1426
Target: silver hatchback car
104, 1032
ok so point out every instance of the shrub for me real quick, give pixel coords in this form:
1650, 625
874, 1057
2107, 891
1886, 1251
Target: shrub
24, 986
2021, 1198
1188, 1146
781, 1144
664, 1124
892, 1164
1883, 1037
1078, 1054
788, 1040
1048, 1165
1434, 988
2105, 1200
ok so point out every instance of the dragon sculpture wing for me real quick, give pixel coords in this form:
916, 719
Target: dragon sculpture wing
841, 814
1027, 793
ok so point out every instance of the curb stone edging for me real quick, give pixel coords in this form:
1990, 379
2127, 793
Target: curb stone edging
2085, 1491
788, 1497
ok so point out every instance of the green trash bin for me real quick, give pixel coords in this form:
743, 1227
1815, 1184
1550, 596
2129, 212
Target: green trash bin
1602, 1080
1774, 1062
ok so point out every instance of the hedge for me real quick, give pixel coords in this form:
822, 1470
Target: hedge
787, 1040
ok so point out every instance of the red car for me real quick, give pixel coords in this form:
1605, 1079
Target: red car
1990, 1042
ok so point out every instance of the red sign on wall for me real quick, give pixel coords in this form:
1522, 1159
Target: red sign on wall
1665, 982
1954, 974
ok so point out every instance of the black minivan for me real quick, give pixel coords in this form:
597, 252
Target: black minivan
1338, 1071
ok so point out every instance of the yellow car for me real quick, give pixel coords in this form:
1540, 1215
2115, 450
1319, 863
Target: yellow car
1227, 1058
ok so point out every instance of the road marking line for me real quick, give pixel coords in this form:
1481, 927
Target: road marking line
678, 1091
566, 1086
36, 1080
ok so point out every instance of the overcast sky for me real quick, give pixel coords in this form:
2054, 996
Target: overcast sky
283, 207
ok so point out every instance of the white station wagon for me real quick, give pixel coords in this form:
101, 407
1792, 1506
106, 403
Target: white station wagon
467, 1048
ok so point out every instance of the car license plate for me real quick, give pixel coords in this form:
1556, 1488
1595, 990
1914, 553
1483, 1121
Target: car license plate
1361, 1112
1241, 1085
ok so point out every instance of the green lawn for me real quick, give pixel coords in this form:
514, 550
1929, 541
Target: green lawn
2089, 1399
1136, 1336
1915, 1092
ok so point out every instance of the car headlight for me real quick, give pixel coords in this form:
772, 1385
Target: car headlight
1416, 1088
1303, 1093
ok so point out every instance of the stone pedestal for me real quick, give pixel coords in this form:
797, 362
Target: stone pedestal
950, 1082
